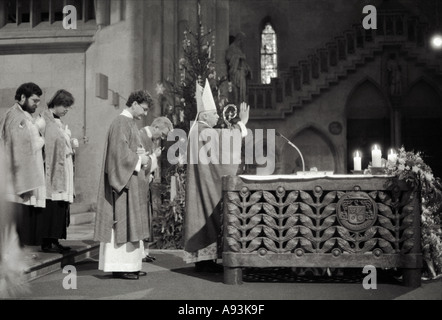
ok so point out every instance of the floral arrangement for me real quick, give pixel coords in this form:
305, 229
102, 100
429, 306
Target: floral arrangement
411, 168
168, 224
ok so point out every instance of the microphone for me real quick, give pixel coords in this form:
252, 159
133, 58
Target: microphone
290, 143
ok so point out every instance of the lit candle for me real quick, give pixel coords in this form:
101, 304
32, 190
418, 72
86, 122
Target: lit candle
376, 157
357, 161
392, 156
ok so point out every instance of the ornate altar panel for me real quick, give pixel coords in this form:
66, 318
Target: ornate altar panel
325, 221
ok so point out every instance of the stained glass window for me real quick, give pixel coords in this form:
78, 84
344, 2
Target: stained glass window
269, 63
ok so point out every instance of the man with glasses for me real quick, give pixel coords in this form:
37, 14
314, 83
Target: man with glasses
151, 137
23, 145
120, 223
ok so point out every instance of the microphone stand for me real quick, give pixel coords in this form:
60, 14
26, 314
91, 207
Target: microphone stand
290, 143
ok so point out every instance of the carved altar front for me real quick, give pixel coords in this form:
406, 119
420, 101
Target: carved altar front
337, 221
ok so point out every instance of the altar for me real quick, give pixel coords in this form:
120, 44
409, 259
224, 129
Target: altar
330, 221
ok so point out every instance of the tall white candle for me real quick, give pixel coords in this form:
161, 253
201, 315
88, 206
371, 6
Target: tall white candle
376, 156
357, 161
392, 156
172, 188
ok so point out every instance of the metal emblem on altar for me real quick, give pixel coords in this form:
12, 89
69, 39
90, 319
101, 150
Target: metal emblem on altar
356, 211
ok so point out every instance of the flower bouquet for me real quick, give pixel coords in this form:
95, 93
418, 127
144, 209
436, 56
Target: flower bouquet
411, 168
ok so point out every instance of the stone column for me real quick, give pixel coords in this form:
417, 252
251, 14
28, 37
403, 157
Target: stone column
397, 137
153, 48
135, 18
183, 17
3, 13
396, 118
222, 40
35, 12
170, 41
102, 12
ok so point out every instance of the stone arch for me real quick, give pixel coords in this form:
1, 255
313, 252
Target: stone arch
316, 147
361, 87
281, 26
368, 114
423, 99
277, 19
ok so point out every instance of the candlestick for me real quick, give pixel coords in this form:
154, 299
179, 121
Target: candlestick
357, 161
392, 156
376, 156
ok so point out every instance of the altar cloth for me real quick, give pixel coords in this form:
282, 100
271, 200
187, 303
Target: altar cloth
307, 177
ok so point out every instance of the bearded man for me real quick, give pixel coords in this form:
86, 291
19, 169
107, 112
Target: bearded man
23, 146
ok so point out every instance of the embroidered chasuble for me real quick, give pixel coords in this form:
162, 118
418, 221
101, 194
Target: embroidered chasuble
203, 219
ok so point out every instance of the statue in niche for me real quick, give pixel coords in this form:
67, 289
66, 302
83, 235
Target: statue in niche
394, 73
238, 69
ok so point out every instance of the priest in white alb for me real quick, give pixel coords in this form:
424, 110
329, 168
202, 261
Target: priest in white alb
120, 223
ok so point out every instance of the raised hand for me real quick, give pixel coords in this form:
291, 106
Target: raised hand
244, 112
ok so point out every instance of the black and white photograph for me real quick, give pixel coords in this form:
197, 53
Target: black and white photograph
225, 157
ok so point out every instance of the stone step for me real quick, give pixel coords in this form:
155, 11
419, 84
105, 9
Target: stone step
41, 263
80, 207
83, 231
82, 218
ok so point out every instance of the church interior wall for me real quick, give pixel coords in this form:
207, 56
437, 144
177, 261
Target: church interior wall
301, 26
51, 72
112, 54
308, 26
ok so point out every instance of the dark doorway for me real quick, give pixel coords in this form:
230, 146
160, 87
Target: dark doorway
422, 123
424, 135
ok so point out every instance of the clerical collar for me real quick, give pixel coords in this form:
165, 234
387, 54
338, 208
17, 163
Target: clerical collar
55, 116
127, 114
